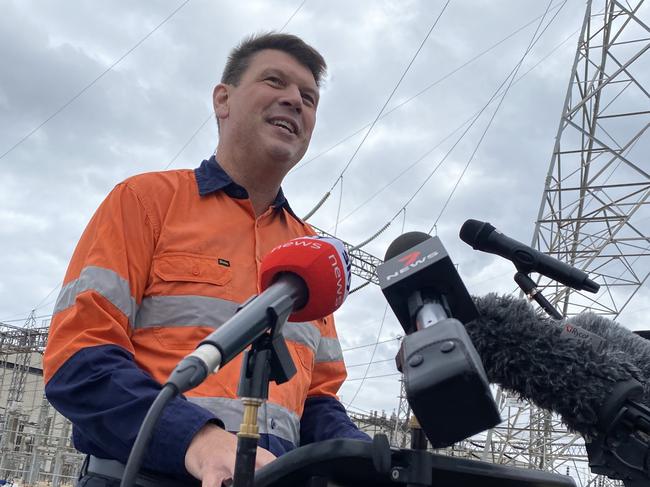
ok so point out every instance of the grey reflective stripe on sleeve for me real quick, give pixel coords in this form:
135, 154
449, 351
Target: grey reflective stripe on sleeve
272, 419
176, 311
305, 333
329, 350
105, 282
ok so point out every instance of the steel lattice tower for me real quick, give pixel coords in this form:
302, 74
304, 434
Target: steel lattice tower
593, 213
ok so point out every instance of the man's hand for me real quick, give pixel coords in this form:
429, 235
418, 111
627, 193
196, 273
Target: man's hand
211, 456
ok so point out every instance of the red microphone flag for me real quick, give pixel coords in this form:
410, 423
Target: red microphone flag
323, 265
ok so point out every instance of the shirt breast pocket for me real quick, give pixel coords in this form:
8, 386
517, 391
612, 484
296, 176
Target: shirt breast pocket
189, 295
187, 272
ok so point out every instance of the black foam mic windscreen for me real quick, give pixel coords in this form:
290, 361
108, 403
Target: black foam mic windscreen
528, 354
619, 340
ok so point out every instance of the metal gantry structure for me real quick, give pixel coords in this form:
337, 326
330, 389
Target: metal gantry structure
35, 441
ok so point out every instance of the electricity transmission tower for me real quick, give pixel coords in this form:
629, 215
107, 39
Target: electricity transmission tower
593, 213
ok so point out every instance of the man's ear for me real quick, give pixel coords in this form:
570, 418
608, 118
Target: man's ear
220, 100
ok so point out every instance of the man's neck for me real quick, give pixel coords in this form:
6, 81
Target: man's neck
261, 185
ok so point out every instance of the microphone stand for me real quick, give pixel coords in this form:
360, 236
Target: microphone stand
267, 360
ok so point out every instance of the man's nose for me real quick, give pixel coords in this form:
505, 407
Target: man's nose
292, 97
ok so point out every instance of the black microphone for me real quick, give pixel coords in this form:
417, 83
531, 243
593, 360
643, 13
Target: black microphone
417, 265
484, 237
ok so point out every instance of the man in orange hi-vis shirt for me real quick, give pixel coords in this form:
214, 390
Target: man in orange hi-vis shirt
167, 258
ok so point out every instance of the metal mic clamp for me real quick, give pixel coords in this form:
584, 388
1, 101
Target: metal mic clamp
446, 384
527, 285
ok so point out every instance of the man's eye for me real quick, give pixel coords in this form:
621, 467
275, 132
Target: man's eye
274, 80
308, 100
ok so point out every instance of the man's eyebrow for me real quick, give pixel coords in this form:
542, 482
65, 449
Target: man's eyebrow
268, 71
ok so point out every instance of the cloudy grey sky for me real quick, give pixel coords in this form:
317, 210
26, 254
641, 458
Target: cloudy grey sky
148, 112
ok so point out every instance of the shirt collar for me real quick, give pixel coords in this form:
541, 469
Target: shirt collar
210, 178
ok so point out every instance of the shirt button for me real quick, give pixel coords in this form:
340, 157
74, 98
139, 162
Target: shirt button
195, 270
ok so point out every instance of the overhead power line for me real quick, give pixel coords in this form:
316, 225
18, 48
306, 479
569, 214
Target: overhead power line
372, 356
374, 349
459, 127
512, 76
92, 83
421, 92
370, 363
292, 15
364, 378
508, 81
357, 347
399, 82
25, 319
188, 141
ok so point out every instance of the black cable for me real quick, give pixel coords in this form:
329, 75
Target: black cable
167, 393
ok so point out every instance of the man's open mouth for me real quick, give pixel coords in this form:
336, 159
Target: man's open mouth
287, 125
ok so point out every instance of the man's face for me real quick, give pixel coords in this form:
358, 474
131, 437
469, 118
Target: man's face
272, 112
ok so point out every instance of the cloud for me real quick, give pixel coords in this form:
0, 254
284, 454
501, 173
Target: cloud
140, 114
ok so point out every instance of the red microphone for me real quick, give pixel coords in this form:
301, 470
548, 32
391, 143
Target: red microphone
323, 266
305, 278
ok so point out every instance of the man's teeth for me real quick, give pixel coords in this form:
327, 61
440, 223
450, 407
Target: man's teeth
284, 125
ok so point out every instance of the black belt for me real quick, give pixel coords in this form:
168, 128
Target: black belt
115, 470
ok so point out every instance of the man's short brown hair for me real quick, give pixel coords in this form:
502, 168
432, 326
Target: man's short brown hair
240, 56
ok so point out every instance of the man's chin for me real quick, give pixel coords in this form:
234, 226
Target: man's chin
285, 156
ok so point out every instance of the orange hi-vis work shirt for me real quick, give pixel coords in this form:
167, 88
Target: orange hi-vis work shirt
165, 260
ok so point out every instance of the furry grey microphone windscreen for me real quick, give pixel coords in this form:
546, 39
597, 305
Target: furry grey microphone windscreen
526, 354
619, 339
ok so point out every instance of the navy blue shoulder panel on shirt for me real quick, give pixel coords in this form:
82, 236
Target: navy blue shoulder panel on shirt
325, 418
106, 396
